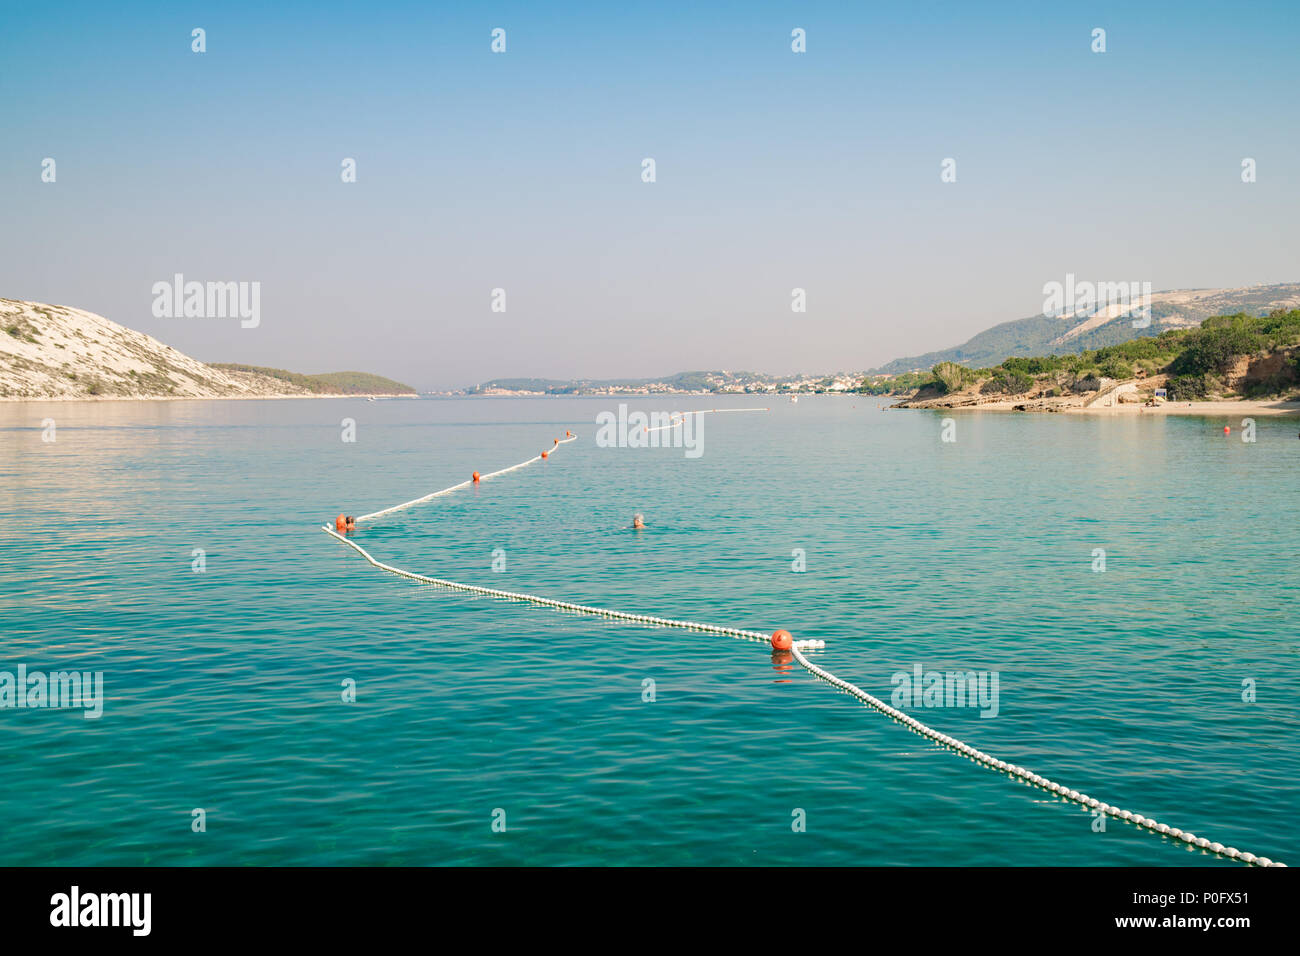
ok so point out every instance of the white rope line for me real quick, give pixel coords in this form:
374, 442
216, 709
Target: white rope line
797, 649
464, 484
548, 602
681, 416
1029, 776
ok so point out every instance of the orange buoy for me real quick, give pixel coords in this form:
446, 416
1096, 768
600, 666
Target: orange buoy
476, 476
557, 441
782, 641
341, 523
545, 453
567, 434
1227, 430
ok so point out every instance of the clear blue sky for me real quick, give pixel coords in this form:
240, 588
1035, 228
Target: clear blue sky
522, 171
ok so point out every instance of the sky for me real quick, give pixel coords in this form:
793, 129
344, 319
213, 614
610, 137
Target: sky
522, 171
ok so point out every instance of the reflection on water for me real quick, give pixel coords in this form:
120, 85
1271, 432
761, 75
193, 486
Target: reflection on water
783, 663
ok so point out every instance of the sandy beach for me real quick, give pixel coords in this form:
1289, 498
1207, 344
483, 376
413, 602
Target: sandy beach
1074, 406
1243, 407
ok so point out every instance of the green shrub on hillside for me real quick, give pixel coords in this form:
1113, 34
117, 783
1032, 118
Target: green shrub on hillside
1280, 328
1035, 366
1117, 368
949, 377
1214, 350
1010, 382
1192, 388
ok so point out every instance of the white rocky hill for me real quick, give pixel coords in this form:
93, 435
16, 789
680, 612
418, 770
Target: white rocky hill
57, 352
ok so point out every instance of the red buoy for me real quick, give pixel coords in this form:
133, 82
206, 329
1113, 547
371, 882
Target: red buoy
476, 476
545, 453
782, 641
1226, 430
341, 523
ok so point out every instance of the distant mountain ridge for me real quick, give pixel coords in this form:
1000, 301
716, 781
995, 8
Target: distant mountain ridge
1045, 335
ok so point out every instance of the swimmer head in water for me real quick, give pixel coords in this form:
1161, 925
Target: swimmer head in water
351, 523
638, 521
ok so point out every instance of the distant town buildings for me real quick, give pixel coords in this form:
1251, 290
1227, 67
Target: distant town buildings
688, 383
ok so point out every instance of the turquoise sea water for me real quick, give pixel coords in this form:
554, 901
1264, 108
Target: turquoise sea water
224, 687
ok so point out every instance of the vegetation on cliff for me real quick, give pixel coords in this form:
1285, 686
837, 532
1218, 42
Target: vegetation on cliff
1254, 356
327, 383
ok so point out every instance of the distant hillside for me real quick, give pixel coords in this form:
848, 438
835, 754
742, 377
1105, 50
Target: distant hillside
327, 383
1042, 335
681, 382
1226, 357
57, 352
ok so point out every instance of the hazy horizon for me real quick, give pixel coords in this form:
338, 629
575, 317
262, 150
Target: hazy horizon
522, 170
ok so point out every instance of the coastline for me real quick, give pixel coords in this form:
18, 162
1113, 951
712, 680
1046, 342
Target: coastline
1265, 407
196, 398
1275, 407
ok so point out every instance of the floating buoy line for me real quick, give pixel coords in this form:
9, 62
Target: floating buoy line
782, 640
681, 416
